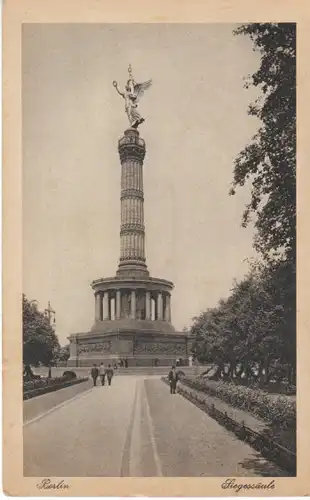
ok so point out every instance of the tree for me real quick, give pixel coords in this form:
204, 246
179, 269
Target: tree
39, 339
63, 353
269, 161
253, 332
247, 335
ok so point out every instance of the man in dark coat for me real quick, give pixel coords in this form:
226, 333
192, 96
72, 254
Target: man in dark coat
94, 373
109, 373
173, 378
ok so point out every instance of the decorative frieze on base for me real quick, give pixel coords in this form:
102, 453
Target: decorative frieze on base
139, 349
97, 347
157, 348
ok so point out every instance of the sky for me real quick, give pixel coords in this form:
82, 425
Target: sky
196, 124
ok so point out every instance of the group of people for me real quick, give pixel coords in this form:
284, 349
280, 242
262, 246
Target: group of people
103, 373
107, 373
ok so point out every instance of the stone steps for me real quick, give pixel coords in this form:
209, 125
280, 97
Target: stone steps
150, 370
131, 370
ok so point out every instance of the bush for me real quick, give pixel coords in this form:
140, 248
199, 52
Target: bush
30, 385
42, 382
33, 388
69, 374
277, 410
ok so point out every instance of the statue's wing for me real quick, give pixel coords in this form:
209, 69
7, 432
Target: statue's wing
139, 88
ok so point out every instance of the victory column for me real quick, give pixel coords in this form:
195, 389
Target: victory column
132, 309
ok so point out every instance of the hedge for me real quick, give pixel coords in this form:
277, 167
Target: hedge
33, 388
278, 411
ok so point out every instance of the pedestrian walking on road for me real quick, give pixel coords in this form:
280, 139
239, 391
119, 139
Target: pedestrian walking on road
109, 373
173, 378
102, 373
94, 373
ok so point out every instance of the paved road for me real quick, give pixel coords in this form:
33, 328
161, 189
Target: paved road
134, 428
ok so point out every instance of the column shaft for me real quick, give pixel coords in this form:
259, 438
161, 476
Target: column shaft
97, 306
105, 312
118, 304
148, 311
133, 304
167, 308
109, 307
160, 307
101, 307
132, 151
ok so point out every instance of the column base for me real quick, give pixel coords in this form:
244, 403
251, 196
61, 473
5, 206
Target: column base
132, 268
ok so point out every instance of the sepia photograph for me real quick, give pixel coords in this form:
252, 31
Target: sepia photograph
159, 251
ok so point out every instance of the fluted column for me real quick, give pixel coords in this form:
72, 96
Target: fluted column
118, 305
133, 304
160, 306
97, 306
148, 311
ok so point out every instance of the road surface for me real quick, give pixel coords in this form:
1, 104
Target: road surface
133, 428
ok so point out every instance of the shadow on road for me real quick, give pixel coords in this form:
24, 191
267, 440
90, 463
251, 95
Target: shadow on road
262, 467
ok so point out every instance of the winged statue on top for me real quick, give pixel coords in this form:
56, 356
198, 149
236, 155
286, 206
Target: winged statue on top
132, 94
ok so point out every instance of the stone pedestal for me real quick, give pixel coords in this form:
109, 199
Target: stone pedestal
137, 348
